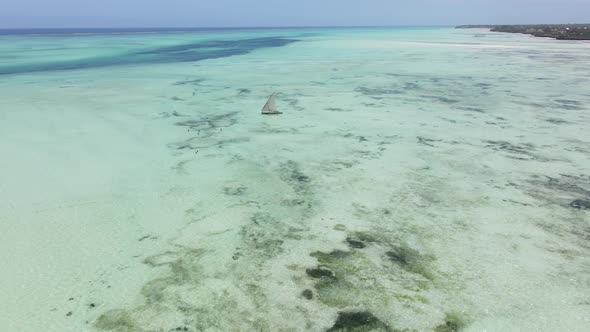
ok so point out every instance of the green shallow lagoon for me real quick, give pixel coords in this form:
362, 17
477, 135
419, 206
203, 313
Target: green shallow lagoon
420, 179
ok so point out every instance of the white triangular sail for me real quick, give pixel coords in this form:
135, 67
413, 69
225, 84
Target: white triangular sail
270, 107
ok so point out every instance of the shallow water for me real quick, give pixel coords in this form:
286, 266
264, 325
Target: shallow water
419, 179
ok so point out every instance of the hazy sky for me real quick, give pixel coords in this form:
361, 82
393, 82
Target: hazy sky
242, 13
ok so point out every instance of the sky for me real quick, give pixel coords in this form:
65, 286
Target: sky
279, 13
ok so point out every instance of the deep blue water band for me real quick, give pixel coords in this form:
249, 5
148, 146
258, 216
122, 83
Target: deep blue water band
179, 53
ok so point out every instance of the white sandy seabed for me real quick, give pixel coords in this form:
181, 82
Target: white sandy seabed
418, 180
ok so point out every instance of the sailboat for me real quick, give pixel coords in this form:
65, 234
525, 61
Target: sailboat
270, 107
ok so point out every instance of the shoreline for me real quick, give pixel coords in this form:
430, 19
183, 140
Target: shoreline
555, 31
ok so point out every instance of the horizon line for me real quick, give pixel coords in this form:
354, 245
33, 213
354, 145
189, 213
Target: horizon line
236, 27
281, 27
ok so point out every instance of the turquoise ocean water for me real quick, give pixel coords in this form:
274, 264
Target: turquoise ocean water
419, 179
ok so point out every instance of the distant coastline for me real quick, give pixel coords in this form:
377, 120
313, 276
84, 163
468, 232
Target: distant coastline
557, 31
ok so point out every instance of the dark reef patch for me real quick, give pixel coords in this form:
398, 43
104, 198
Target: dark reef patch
569, 105
184, 271
523, 151
453, 323
210, 122
343, 164
410, 260
116, 320
402, 256
410, 86
340, 227
556, 121
572, 185
189, 82
320, 273
471, 109
206, 128
568, 191
366, 237
194, 144
567, 102
357, 321
291, 173
333, 255
427, 141
265, 235
580, 204
355, 244
308, 294
165, 115
293, 202
294, 103
337, 109
372, 92
444, 100
363, 280
483, 85
234, 191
